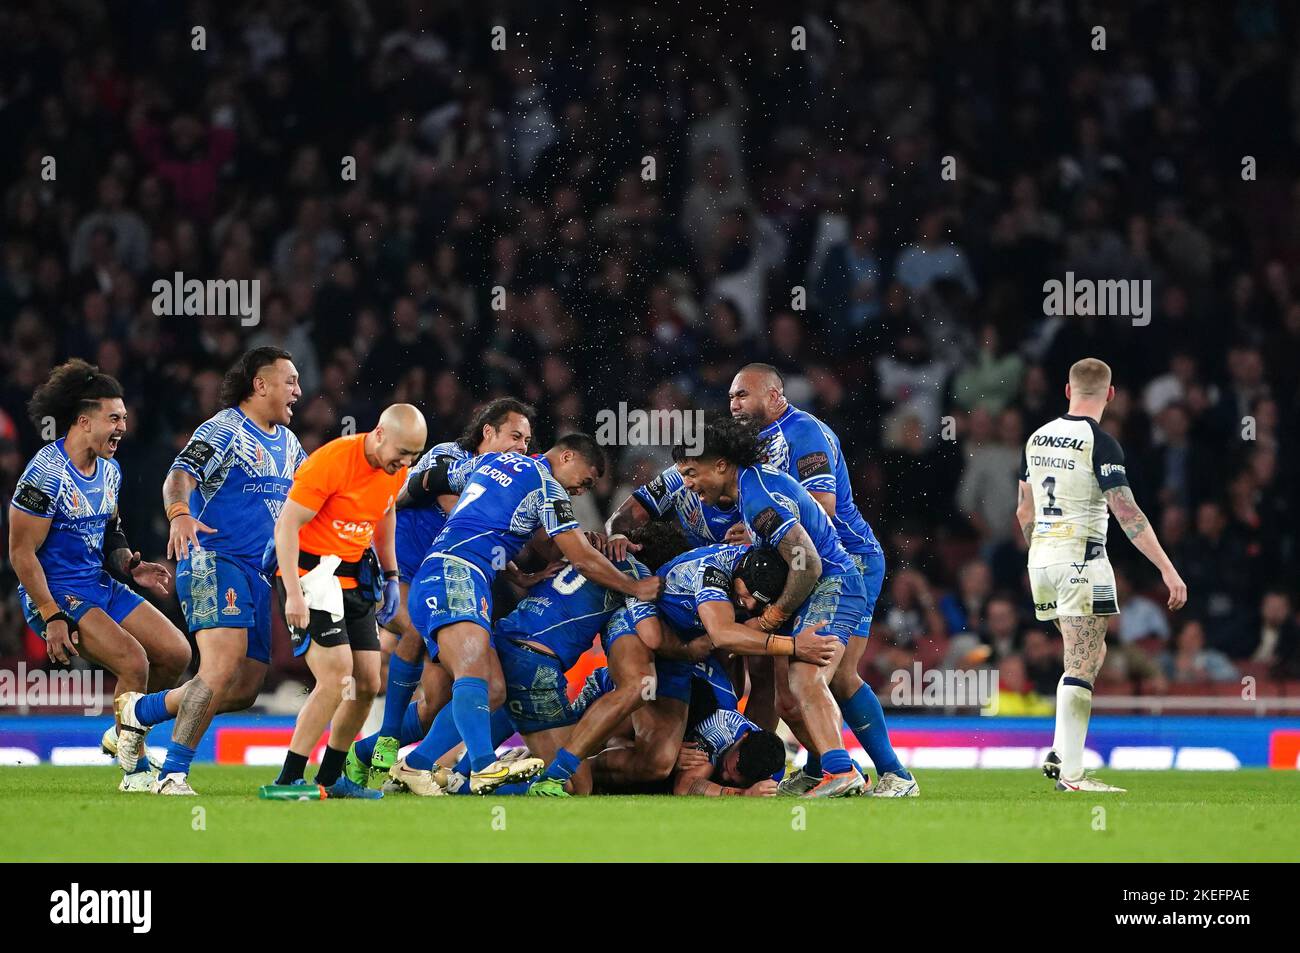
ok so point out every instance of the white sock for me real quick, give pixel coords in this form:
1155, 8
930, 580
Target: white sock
1057, 740
1073, 708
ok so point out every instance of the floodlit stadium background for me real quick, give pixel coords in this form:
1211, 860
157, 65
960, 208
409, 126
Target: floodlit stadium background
798, 213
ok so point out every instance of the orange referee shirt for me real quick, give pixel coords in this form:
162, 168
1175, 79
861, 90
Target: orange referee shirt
349, 496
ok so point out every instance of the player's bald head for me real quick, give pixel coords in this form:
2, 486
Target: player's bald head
404, 423
399, 437
1090, 378
762, 377
757, 394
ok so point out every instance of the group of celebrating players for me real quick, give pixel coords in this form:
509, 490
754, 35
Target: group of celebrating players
744, 570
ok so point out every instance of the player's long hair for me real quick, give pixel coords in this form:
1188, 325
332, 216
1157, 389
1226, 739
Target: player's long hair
492, 414
72, 388
237, 385
726, 438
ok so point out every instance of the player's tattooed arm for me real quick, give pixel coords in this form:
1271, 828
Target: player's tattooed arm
800, 554
1138, 529
183, 528
1025, 511
1130, 515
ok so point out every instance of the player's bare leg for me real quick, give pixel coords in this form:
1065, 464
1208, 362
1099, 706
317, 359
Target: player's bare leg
659, 728
1085, 651
823, 723
105, 643
478, 688
331, 666
401, 651
358, 696
861, 712
762, 707
168, 652
632, 669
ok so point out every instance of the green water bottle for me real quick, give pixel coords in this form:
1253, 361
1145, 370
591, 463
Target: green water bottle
291, 792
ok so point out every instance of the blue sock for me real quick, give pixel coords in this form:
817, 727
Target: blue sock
442, 737
502, 728
866, 719
837, 761
152, 709
469, 706
519, 787
411, 730
178, 760
562, 768
365, 748
813, 766
403, 679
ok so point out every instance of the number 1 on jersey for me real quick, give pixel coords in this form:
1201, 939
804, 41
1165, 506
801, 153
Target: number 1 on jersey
1051, 509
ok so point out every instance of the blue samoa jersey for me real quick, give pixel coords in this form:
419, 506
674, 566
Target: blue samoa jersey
695, 577
667, 495
566, 612
244, 475
419, 526
809, 451
504, 497
78, 508
719, 731
772, 503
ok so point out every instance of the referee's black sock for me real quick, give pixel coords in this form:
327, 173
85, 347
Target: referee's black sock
331, 766
294, 766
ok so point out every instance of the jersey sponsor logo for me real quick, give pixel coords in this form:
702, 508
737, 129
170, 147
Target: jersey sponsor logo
35, 499
715, 578
813, 464
197, 453
232, 603
1112, 468
1058, 443
657, 489
1044, 606
564, 511
72, 602
362, 529
767, 522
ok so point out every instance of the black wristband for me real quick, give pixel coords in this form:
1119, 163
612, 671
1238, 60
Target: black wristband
62, 616
392, 574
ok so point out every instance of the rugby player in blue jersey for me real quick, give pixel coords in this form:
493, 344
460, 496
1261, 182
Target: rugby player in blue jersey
665, 497
500, 426
823, 592
809, 451
536, 644
222, 495
505, 499
73, 561
722, 752
703, 589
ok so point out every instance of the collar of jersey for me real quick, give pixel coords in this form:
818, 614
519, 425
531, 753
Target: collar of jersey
73, 467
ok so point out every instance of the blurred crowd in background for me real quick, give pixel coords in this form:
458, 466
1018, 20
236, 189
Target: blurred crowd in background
664, 196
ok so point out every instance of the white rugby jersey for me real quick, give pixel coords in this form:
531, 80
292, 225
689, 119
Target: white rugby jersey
1069, 463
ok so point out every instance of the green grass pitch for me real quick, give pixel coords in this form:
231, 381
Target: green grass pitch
76, 814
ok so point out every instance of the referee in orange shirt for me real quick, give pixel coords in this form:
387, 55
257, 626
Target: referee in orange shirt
342, 500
